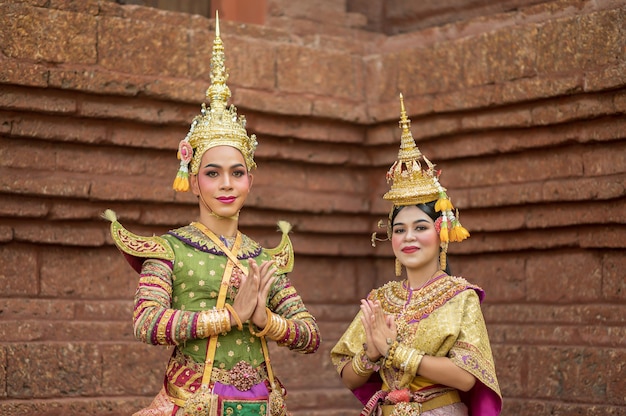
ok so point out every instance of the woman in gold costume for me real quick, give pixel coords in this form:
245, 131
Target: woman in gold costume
420, 345
210, 291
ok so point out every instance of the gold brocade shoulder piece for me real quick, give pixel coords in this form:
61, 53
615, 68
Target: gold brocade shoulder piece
282, 254
136, 245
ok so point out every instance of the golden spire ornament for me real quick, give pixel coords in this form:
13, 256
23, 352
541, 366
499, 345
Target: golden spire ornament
216, 125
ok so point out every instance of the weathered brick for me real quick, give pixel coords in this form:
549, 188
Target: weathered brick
142, 111
29, 309
18, 206
587, 315
129, 44
565, 271
339, 78
541, 86
60, 233
582, 189
607, 160
20, 276
18, 72
605, 78
571, 373
558, 46
24, 331
601, 38
69, 369
86, 273
498, 118
46, 102
574, 108
500, 276
58, 129
273, 103
120, 406
511, 363
132, 369
613, 282
40, 34
3, 373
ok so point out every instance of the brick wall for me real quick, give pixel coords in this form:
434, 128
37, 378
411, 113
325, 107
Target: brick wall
523, 111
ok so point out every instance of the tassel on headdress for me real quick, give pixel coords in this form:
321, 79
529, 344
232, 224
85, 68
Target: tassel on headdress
216, 125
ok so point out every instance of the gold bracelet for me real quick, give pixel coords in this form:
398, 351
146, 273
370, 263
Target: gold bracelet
267, 325
390, 353
358, 365
278, 328
234, 315
407, 359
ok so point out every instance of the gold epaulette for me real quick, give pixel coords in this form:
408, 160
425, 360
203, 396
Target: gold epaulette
136, 245
282, 254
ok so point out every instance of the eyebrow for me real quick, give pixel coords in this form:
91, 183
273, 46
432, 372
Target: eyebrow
414, 222
215, 165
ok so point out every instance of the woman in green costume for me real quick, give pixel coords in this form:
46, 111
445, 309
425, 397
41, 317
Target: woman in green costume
420, 346
213, 293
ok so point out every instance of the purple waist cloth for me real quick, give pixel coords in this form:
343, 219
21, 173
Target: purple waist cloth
258, 391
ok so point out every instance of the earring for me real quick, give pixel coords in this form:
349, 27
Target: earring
398, 267
442, 256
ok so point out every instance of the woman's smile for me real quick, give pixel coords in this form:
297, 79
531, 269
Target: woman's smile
227, 199
410, 249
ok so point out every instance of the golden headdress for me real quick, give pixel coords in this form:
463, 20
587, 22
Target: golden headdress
215, 125
413, 183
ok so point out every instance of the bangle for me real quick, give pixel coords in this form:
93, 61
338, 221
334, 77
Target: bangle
267, 325
230, 309
278, 328
407, 359
360, 365
213, 322
390, 352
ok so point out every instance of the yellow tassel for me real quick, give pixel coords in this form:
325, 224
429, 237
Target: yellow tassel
181, 182
460, 233
453, 235
443, 204
444, 235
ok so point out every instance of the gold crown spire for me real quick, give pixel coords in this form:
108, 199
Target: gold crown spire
411, 184
216, 125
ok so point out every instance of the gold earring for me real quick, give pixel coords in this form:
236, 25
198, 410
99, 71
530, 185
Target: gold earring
442, 256
398, 267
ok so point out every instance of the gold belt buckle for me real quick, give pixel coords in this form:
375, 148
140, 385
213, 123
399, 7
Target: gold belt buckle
407, 409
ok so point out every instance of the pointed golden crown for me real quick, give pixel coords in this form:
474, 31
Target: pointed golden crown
216, 125
411, 183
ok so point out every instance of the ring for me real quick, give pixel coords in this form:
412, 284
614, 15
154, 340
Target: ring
389, 341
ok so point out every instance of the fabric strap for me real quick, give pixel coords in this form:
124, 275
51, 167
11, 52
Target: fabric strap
221, 298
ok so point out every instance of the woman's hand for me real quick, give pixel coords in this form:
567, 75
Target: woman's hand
379, 328
266, 277
246, 299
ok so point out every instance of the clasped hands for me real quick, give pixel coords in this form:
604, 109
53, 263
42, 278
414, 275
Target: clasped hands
249, 303
379, 329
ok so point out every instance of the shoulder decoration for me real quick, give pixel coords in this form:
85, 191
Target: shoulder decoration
135, 245
282, 254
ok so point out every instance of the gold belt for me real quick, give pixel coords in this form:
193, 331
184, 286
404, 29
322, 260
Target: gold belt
242, 376
415, 408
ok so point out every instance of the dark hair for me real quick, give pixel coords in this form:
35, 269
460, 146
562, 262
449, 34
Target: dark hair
429, 209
